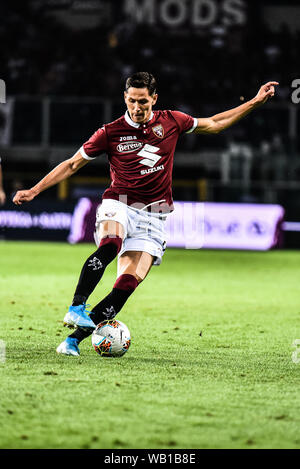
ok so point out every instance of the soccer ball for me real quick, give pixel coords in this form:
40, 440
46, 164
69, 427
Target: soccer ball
111, 338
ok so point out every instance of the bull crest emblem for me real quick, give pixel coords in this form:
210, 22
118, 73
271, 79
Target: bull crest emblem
158, 130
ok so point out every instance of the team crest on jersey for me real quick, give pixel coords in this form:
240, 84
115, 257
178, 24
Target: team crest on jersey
158, 130
110, 214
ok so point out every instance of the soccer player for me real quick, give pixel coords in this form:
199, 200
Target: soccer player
2, 193
130, 221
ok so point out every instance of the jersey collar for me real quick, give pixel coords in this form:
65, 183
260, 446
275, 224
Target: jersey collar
135, 124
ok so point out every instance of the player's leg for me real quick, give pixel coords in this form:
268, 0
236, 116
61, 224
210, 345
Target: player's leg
142, 248
111, 235
133, 267
144, 245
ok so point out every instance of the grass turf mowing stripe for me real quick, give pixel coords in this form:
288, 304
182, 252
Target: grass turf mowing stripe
210, 365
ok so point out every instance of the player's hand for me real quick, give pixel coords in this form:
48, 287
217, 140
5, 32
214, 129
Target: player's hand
266, 91
23, 196
2, 197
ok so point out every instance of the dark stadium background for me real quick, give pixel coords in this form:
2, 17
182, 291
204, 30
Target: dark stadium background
65, 62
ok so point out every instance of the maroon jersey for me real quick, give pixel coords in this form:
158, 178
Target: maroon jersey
140, 155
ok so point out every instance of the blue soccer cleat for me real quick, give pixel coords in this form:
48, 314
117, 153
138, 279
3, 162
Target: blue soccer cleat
78, 316
69, 347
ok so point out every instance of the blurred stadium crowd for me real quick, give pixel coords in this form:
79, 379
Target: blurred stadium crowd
200, 73
43, 57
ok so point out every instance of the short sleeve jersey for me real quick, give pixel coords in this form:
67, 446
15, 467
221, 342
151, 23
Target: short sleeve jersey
140, 155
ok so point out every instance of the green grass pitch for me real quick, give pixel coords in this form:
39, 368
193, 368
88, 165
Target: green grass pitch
210, 364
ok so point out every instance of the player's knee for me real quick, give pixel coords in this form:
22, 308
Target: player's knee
111, 228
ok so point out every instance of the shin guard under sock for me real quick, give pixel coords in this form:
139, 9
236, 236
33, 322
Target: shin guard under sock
110, 306
94, 268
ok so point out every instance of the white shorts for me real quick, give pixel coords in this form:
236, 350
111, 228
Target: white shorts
143, 231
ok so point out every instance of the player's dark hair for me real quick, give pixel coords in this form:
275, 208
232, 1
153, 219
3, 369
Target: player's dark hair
142, 80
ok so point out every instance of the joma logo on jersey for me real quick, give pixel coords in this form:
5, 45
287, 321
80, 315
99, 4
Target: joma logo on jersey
128, 147
128, 137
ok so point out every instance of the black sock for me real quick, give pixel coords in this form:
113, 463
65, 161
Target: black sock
80, 334
92, 271
107, 309
78, 300
111, 305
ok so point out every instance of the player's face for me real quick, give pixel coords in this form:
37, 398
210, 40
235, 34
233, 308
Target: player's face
139, 104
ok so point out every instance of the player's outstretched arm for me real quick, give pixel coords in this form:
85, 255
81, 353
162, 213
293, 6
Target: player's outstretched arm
58, 174
2, 193
219, 122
